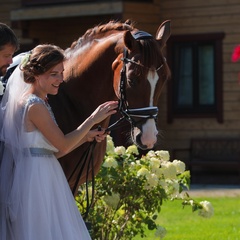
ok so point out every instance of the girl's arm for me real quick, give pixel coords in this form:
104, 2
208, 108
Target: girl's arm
40, 117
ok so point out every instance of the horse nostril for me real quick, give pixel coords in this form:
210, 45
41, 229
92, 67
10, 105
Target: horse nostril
139, 142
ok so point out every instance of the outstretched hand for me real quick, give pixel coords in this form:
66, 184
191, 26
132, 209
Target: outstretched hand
104, 110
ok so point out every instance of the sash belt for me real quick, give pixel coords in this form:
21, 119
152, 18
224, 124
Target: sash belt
40, 151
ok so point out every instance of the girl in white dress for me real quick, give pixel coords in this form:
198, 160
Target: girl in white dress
36, 202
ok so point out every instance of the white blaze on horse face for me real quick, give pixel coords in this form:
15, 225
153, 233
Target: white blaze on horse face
149, 129
153, 79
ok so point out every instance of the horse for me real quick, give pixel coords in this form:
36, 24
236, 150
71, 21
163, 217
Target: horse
111, 61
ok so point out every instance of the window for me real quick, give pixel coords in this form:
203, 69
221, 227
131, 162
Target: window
195, 89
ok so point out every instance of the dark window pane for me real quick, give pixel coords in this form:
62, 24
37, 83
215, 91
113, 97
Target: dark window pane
184, 78
206, 75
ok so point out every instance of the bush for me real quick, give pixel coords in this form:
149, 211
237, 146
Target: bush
129, 191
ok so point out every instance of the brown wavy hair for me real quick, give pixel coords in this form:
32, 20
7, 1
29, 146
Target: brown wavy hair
41, 59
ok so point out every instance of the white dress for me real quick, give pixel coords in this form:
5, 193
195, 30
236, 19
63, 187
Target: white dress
46, 209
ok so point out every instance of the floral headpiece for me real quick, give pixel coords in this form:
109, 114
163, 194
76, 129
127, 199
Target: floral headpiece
25, 59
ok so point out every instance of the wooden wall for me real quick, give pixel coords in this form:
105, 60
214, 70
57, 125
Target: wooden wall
5, 8
62, 31
189, 17
146, 15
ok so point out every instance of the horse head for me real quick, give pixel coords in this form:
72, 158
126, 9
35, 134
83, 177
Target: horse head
140, 73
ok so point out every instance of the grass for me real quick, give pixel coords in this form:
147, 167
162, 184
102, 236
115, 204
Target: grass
182, 224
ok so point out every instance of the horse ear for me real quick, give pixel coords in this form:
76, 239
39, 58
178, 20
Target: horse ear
129, 40
164, 32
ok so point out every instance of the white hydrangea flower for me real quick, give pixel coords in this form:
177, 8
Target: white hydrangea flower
173, 188
138, 162
132, 150
112, 200
164, 155
110, 162
132, 164
160, 232
120, 150
163, 184
169, 170
1, 88
109, 138
151, 153
158, 172
154, 162
110, 145
152, 180
191, 202
207, 211
180, 166
143, 172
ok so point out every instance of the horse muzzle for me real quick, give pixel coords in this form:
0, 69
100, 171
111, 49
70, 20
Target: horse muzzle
144, 131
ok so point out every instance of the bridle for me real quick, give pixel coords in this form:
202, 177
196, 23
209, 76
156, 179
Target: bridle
128, 113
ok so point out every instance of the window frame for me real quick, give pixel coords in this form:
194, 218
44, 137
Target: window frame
56, 2
217, 40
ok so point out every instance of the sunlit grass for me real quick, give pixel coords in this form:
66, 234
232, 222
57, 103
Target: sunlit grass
182, 224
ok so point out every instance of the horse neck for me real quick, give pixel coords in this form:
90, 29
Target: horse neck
90, 70
89, 78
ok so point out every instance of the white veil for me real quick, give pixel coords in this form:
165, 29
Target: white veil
11, 148
15, 88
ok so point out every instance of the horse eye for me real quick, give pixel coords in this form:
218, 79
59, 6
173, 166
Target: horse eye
132, 82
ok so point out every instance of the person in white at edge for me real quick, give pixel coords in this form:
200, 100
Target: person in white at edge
36, 200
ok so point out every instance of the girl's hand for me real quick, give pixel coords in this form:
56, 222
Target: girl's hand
104, 110
99, 136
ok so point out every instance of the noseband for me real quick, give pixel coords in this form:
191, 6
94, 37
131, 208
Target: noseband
127, 113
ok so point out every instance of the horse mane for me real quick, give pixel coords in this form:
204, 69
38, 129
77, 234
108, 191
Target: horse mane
92, 33
149, 47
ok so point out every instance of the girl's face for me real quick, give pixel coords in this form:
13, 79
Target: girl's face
49, 82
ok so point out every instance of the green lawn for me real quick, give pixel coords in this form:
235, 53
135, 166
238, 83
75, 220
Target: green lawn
182, 224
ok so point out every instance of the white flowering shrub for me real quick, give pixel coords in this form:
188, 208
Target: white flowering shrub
129, 191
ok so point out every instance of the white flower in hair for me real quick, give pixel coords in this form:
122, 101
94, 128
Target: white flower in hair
25, 59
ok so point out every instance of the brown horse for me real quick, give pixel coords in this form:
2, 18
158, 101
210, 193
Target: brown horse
111, 61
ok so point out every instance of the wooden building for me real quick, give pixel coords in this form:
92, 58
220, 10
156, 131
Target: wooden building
202, 98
